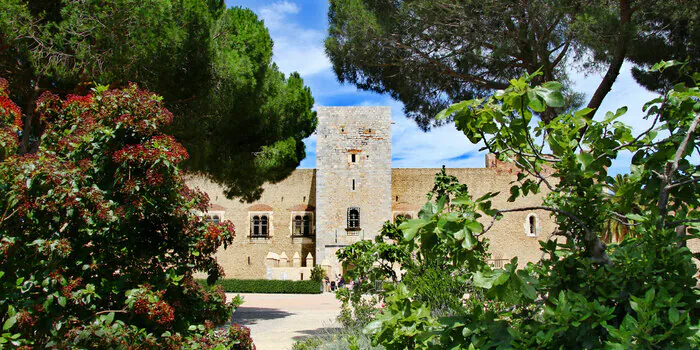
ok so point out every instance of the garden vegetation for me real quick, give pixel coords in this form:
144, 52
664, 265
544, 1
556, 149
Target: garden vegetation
640, 292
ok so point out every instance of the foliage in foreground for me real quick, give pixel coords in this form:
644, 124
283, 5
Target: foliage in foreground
99, 236
241, 120
640, 293
269, 286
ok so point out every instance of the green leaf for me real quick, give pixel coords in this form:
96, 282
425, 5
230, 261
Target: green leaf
109, 318
411, 227
373, 327
534, 102
673, 315
469, 241
445, 113
474, 226
9, 323
459, 235
585, 159
552, 85
501, 277
514, 193
483, 280
62, 301
636, 217
528, 290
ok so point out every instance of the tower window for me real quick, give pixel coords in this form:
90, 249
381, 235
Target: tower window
533, 226
353, 158
353, 184
354, 218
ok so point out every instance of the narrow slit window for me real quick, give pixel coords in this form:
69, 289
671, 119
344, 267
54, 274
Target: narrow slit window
352, 158
533, 225
353, 184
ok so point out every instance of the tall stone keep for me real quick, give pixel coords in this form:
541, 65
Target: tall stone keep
353, 179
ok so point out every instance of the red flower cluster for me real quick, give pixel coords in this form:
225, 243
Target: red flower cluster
242, 334
25, 319
159, 312
158, 148
81, 101
72, 284
10, 122
10, 112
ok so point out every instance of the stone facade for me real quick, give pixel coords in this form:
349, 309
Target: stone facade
348, 197
353, 179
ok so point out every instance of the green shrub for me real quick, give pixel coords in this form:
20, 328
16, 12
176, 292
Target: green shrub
269, 286
318, 273
98, 236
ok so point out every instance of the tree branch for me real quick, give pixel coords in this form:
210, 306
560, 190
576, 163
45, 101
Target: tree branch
671, 168
618, 58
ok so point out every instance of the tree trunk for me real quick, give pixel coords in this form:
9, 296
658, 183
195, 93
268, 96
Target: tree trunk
29, 116
618, 59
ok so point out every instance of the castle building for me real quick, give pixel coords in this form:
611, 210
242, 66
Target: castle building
303, 220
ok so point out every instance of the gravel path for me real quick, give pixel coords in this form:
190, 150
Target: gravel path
276, 321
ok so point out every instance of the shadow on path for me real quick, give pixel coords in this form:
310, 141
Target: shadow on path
316, 332
247, 316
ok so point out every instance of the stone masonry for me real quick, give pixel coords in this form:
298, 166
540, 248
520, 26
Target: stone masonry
353, 162
354, 172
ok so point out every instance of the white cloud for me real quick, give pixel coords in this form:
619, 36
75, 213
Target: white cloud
413, 148
274, 14
296, 49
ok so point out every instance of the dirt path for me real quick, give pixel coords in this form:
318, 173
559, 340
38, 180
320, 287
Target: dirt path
276, 321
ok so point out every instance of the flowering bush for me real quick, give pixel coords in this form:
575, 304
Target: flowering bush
99, 233
10, 123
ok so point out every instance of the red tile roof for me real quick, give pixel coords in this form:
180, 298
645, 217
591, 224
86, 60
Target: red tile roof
302, 207
216, 207
259, 207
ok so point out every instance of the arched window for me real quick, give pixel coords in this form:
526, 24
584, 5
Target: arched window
216, 219
354, 218
298, 228
259, 226
402, 215
531, 225
307, 224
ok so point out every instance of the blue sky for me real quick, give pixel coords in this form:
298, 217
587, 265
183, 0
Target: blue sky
298, 28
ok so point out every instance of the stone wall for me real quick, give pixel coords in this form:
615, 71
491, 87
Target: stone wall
353, 150
245, 258
509, 236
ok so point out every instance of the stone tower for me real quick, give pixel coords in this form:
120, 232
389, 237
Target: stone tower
353, 179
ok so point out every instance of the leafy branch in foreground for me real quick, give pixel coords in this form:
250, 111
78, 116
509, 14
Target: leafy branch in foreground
638, 293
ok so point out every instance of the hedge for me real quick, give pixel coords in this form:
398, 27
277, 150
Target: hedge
269, 286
